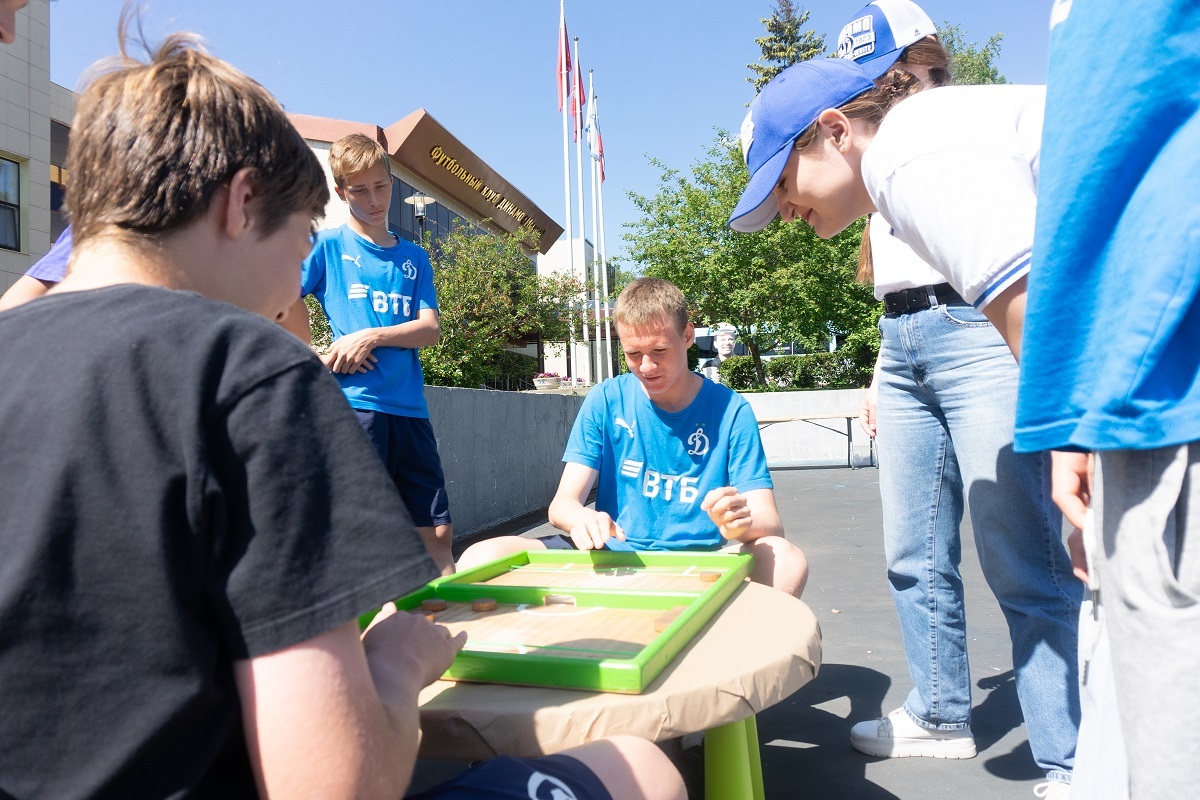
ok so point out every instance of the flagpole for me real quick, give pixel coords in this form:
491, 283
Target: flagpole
577, 92
564, 65
608, 342
600, 370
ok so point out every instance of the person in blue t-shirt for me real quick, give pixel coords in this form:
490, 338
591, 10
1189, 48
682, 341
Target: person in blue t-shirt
377, 291
678, 458
1111, 361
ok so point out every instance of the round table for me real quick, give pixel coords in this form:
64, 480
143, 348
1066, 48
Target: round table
760, 648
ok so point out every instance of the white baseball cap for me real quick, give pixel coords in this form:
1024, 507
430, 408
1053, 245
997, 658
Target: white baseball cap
877, 35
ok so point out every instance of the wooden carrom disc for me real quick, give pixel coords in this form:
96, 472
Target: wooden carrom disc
483, 604
709, 577
433, 604
663, 622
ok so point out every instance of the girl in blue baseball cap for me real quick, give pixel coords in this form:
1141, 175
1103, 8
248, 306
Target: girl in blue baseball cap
952, 175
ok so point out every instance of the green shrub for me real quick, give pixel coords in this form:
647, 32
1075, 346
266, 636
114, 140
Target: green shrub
514, 365
737, 372
787, 372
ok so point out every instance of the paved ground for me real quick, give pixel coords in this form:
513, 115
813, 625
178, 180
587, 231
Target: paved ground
834, 515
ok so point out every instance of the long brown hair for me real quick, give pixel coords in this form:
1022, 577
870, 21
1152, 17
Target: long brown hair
928, 53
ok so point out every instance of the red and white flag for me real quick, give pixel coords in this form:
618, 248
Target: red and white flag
581, 100
564, 56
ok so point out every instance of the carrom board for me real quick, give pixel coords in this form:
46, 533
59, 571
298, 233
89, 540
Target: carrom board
597, 620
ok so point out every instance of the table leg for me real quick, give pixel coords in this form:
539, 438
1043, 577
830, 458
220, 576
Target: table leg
732, 767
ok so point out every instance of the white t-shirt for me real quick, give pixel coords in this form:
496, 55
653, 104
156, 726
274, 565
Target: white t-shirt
895, 264
955, 172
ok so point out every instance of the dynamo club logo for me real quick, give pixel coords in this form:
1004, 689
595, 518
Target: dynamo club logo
857, 39
409, 270
544, 787
697, 443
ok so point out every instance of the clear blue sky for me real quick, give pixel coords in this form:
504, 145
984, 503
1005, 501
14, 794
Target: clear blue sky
667, 72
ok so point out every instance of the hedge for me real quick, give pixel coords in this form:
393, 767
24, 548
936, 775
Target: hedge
837, 370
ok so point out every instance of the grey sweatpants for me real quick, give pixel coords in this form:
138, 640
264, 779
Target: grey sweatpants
1147, 506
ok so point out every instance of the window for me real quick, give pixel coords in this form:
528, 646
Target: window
10, 205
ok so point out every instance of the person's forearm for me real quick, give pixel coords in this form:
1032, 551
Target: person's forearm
563, 513
24, 290
393, 752
413, 334
763, 525
764, 515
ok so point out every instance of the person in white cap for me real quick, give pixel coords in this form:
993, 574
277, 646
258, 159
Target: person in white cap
819, 148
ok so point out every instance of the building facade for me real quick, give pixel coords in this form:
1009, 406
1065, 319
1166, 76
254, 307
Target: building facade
35, 116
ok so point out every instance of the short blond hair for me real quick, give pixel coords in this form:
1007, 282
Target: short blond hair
355, 153
649, 301
152, 143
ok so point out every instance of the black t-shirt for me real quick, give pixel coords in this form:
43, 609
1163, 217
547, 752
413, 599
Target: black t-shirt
182, 484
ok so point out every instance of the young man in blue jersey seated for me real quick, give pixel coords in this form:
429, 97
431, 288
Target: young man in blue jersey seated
679, 460
377, 291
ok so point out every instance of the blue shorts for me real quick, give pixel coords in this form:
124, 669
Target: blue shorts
409, 451
549, 778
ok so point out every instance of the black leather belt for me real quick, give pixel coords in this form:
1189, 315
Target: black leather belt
906, 301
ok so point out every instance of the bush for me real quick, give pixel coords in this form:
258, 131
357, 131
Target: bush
514, 365
737, 372
843, 369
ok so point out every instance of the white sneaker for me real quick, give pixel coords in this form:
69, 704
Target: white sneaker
897, 736
1053, 790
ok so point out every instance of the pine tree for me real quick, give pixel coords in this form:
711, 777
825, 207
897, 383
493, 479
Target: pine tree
785, 44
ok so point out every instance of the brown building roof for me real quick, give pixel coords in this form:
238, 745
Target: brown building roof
423, 146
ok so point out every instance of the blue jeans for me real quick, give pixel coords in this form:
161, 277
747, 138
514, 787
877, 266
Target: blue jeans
947, 398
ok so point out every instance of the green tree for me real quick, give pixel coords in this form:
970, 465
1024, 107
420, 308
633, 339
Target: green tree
785, 43
489, 295
781, 284
971, 62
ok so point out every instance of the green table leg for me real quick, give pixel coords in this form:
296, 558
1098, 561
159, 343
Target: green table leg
732, 768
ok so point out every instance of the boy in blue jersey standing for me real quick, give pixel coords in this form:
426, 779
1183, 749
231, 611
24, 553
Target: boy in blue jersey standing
377, 291
679, 460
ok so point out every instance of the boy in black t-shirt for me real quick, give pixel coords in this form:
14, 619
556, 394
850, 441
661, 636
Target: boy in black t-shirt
182, 560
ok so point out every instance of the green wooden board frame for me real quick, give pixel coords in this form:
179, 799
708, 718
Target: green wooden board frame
630, 675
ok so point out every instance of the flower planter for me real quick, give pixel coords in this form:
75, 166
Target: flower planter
547, 383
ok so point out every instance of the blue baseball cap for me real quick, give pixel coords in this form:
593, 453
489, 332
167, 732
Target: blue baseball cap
782, 111
877, 35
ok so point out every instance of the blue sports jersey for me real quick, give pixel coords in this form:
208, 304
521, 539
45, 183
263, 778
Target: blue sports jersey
1111, 354
362, 285
656, 467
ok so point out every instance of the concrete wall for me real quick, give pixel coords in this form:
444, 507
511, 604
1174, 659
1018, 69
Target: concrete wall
501, 451
821, 441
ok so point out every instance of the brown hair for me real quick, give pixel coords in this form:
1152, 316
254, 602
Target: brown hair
152, 142
355, 153
649, 301
866, 267
928, 53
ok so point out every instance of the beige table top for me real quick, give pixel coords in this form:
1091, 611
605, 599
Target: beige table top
760, 648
